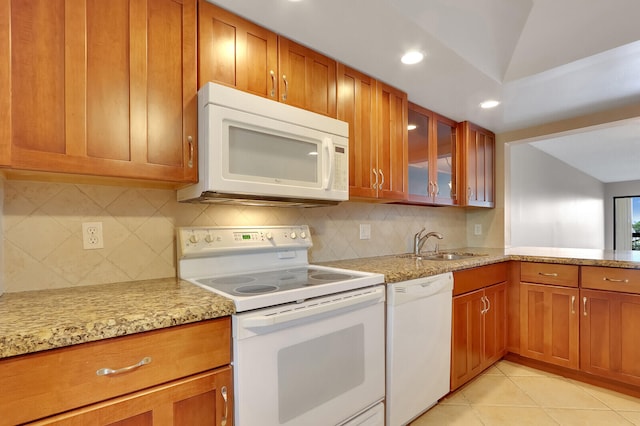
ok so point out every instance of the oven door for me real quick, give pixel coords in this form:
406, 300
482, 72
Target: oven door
318, 362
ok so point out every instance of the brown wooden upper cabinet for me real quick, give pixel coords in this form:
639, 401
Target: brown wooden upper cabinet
241, 54
477, 183
433, 158
377, 119
100, 88
236, 52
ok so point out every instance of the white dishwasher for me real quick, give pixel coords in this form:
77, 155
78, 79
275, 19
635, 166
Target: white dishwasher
418, 345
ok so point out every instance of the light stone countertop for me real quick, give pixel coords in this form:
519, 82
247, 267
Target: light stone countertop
47, 319
34, 321
398, 268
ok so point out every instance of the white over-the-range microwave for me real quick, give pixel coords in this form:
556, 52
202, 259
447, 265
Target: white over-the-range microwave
257, 151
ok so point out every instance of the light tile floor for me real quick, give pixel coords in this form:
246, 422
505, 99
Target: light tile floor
512, 394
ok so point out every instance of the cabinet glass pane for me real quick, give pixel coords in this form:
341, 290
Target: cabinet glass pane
418, 154
446, 157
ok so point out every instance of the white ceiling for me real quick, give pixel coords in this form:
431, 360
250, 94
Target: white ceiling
545, 60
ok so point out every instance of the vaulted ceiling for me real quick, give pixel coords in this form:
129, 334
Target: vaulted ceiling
544, 60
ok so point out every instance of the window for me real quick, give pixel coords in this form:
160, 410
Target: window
626, 223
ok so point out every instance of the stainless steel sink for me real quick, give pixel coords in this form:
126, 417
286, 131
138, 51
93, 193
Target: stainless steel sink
440, 256
448, 256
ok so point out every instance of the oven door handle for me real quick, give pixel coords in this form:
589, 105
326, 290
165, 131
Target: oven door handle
347, 302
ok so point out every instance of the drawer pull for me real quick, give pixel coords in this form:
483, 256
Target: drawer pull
109, 372
223, 392
614, 280
548, 274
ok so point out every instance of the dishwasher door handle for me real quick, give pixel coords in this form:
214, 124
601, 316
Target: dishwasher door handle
419, 289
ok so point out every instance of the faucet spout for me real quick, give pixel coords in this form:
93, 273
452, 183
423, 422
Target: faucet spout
416, 241
419, 240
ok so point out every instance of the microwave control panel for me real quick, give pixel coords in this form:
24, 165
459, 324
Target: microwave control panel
341, 171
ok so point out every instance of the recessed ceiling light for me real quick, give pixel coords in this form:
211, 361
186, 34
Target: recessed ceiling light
411, 127
412, 57
489, 104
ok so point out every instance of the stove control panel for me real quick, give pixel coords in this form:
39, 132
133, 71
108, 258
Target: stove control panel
200, 241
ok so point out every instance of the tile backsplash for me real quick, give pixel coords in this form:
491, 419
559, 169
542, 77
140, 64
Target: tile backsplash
42, 225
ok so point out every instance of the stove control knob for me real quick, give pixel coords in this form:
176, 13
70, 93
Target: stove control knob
194, 238
303, 235
269, 236
294, 235
209, 238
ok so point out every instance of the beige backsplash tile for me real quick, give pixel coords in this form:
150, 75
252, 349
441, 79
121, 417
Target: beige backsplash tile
43, 236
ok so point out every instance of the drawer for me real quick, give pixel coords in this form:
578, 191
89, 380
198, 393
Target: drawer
549, 273
61, 379
612, 279
483, 276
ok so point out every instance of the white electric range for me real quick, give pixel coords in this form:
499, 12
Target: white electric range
308, 340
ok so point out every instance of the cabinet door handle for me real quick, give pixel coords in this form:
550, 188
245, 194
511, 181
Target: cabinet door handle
470, 194
382, 178
484, 306
548, 274
573, 304
190, 142
488, 304
437, 188
584, 306
223, 392
375, 184
110, 372
273, 83
286, 87
614, 280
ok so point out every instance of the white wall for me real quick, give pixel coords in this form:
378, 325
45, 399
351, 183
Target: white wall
617, 189
551, 203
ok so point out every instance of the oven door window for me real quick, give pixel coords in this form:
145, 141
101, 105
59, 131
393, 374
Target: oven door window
337, 361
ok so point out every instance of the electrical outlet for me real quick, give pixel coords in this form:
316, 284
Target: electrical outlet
477, 229
365, 231
92, 237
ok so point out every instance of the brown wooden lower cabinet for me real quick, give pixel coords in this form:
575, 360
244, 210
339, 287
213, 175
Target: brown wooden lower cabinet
479, 333
186, 366
549, 321
610, 335
203, 399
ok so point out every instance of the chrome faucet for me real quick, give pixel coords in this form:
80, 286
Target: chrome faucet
419, 240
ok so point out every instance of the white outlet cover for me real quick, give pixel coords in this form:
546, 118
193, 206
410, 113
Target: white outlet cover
365, 231
92, 237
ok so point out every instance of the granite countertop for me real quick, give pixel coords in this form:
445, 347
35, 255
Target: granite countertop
398, 268
33, 321
46, 319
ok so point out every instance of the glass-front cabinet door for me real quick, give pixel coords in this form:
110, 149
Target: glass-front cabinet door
433, 158
420, 183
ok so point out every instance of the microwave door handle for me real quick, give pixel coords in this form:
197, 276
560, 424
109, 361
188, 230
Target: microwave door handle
327, 180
